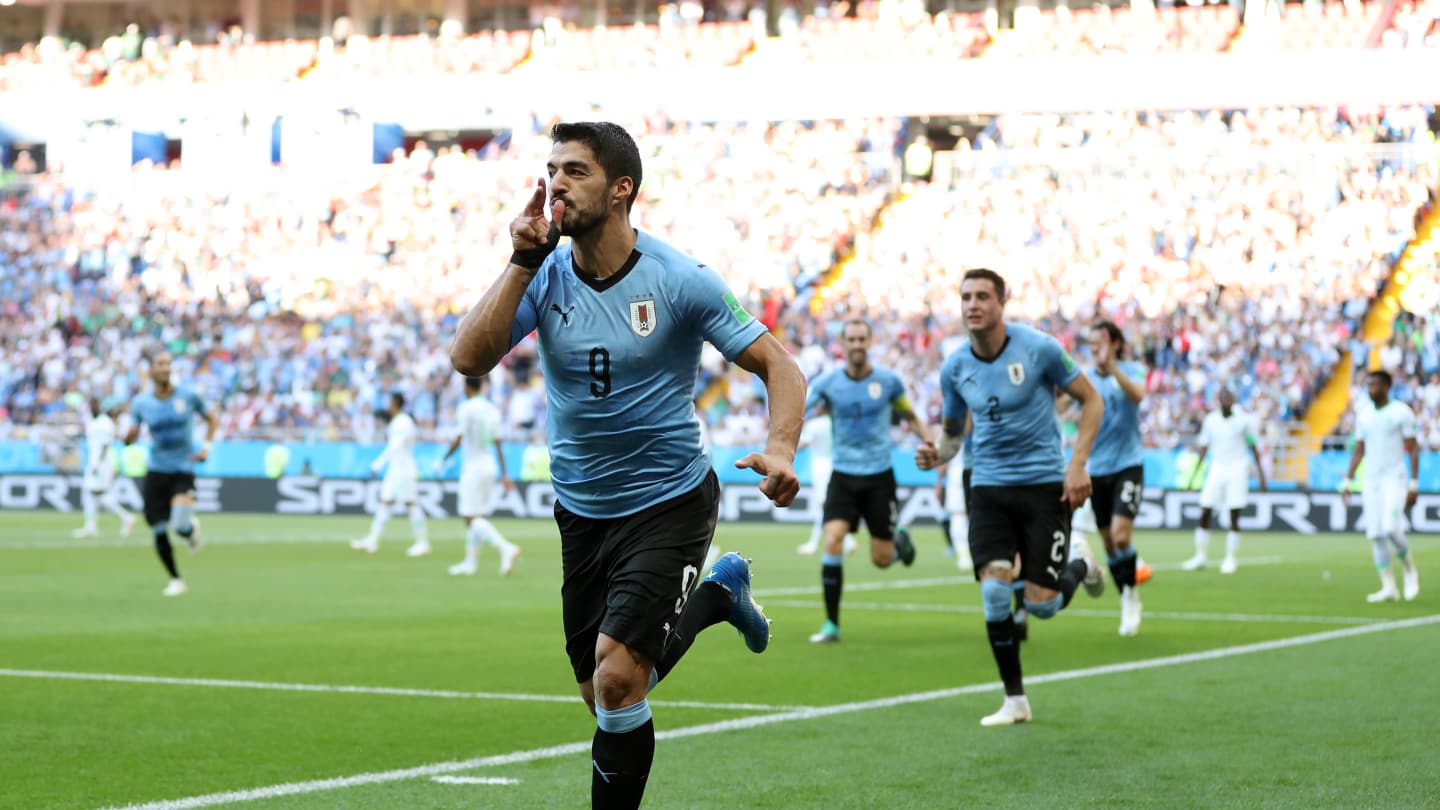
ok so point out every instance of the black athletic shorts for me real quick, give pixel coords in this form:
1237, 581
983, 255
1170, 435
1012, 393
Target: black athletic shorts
629, 577
162, 487
1029, 520
868, 498
1117, 495
965, 484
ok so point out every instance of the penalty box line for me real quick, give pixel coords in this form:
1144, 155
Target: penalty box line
739, 724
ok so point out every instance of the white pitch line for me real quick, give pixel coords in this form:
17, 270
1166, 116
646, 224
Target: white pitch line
902, 607
475, 780
367, 690
552, 752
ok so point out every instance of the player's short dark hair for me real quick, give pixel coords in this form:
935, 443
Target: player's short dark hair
989, 275
397, 399
1384, 375
614, 149
857, 322
474, 383
1116, 336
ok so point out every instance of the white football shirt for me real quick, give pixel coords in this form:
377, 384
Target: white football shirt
1384, 431
1229, 439
479, 427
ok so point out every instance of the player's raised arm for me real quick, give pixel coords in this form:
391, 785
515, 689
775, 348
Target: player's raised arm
1092, 410
785, 389
485, 334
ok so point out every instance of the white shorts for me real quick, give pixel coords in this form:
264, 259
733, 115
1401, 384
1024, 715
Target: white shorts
99, 478
1226, 489
399, 486
1384, 502
955, 490
477, 489
1084, 518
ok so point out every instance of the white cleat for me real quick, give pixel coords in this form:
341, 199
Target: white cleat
808, 549
175, 588
1130, 611
1228, 566
1386, 594
127, 525
1412, 583
463, 569
1194, 563
367, 546
850, 545
1014, 710
507, 560
419, 549
84, 531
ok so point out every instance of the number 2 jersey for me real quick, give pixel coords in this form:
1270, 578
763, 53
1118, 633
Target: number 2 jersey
621, 357
1016, 434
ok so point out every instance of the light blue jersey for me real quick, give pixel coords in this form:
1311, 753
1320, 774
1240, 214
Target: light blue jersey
1117, 445
1012, 398
621, 357
171, 422
860, 413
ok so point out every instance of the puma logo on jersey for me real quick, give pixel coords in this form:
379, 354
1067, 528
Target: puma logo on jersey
563, 313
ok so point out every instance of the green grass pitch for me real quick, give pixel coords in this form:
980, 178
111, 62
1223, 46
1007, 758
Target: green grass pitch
231, 695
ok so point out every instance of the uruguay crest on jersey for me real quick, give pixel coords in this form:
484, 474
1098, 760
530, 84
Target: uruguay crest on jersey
1017, 373
875, 389
642, 317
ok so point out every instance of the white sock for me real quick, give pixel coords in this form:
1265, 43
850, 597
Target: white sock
1202, 541
1380, 552
472, 543
87, 503
110, 502
417, 524
960, 533
377, 525
1402, 550
1387, 578
1232, 543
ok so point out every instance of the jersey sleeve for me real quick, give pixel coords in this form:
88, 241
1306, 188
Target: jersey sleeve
1407, 424
196, 403
709, 303
137, 411
1205, 429
815, 392
1056, 364
1252, 430
527, 315
952, 404
898, 396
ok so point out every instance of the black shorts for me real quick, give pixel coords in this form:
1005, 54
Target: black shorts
965, 484
161, 488
629, 577
871, 498
1029, 520
1117, 495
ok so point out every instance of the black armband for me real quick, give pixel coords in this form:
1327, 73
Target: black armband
532, 258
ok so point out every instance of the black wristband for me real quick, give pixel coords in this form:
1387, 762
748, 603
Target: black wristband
532, 258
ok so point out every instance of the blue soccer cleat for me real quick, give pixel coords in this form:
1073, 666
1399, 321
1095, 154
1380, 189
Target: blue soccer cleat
732, 572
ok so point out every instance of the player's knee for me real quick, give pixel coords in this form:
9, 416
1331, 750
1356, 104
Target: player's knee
616, 686
997, 597
1120, 534
1044, 609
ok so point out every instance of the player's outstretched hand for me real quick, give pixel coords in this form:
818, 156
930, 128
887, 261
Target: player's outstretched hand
927, 456
532, 236
1077, 486
781, 485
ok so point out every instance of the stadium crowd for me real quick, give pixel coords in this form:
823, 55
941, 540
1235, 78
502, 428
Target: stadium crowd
1236, 249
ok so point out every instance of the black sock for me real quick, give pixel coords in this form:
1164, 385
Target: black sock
620, 767
1123, 570
1007, 654
945, 531
709, 604
186, 532
167, 555
1070, 580
833, 578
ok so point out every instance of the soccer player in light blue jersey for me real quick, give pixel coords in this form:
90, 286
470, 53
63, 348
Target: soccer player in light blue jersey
169, 414
861, 399
1117, 469
1022, 491
621, 318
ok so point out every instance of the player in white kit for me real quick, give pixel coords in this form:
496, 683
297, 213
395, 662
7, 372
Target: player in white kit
479, 436
98, 488
817, 434
1385, 440
1228, 437
402, 479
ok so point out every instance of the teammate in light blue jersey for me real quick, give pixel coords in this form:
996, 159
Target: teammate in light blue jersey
621, 318
1117, 466
1005, 377
862, 399
169, 414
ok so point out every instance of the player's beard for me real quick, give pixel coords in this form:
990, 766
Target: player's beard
582, 222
